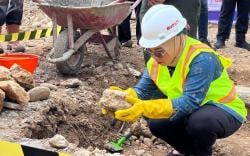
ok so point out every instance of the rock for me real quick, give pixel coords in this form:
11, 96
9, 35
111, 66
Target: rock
14, 92
147, 141
98, 152
140, 152
118, 66
50, 86
99, 70
244, 93
134, 72
12, 105
39, 94
82, 152
71, 83
137, 142
113, 100
58, 141
4, 74
90, 148
92, 80
109, 63
136, 128
160, 147
133, 138
22, 76
141, 138
2, 96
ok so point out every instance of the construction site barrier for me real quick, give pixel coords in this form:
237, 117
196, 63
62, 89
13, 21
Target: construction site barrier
14, 149
29, 35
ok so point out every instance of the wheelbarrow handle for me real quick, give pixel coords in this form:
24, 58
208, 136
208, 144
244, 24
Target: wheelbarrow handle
65, 56
136, 3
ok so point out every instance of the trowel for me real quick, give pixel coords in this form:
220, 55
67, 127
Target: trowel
117, 147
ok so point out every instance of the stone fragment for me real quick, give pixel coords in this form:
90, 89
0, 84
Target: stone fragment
2, 96
113, 100
12, 105
50, 86
82, 152
118, 66
22, 76
4, 74
109, 63
134, 72
39, 93
140, 152
14, 92
71, 83
147, 142
58, 141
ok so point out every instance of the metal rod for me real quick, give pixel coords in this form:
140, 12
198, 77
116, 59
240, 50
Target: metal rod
54, 31
70, 31
104, 45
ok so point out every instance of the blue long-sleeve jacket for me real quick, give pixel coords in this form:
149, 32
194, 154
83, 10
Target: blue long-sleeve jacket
204, 69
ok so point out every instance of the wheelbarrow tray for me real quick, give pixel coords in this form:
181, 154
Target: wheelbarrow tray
95, 17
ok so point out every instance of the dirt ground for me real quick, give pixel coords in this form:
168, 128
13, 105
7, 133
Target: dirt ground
74, 112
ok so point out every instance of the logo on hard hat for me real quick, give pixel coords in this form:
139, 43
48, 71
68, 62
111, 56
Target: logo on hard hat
172, 25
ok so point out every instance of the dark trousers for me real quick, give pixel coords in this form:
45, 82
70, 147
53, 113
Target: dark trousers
203, 22
11, 14
196, 133
226, 19
124, 31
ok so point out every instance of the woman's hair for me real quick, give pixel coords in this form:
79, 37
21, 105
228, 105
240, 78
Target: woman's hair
184, 31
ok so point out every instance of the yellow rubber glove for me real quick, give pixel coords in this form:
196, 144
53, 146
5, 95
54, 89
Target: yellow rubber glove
130, 91
153, 109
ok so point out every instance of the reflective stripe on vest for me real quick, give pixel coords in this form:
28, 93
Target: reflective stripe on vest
221, 90
230, 96
191, 50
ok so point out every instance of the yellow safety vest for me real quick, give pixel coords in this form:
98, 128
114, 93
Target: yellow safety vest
221, 90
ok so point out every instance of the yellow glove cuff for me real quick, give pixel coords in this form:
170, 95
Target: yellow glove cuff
131, 92
158, 109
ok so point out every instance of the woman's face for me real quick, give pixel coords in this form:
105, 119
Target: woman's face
166, 53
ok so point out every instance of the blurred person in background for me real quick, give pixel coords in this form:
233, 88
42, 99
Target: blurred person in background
124, 30
226, 21
11, 13
203, 23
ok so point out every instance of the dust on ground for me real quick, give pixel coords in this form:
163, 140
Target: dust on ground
75, 113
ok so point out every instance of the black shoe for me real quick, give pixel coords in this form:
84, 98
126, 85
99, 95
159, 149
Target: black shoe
173, 153
15, 47
219, 44
128, 44
243, 45
206, 42
1, 50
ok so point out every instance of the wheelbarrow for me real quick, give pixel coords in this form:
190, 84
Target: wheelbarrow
83, 21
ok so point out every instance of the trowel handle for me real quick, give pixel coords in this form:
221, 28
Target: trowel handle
128, 135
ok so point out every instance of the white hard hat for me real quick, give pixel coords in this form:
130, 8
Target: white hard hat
159, 24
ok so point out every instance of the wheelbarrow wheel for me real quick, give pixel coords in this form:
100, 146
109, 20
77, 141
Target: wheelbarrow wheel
114, 48
73, 64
